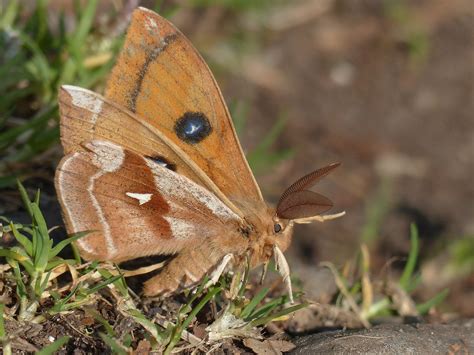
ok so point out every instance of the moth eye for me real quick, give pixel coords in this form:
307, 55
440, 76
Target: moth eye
192, 127
277, 227
165, 163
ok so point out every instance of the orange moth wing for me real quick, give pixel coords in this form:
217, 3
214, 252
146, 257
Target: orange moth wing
162, 78
86, 116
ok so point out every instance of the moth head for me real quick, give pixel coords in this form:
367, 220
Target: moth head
280, 232
297, 204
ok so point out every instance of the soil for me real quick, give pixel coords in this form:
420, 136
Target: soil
392, 339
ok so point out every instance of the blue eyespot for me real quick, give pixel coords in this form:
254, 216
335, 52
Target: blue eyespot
192, 127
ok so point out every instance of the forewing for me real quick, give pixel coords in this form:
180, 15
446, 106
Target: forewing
133, 206
86, 116
161, 77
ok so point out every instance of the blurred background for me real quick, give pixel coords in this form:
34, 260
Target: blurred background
385, 87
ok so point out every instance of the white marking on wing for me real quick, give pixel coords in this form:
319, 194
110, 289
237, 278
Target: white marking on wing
180, 228
111, 250
180, 189
142, 198
150, 24
74, 222
108, 157
85, 99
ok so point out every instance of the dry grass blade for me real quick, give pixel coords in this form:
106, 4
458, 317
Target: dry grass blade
342, 287
142, 270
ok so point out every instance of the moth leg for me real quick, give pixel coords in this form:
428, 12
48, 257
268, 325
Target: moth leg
216, 274
185, 270
284, 269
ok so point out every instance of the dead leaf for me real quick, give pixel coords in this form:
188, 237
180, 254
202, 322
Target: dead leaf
143, 348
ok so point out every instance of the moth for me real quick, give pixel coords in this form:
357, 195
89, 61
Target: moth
155, 167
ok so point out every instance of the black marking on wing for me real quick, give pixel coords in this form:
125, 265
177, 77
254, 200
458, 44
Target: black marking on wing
162, 161
151, 57
193, 127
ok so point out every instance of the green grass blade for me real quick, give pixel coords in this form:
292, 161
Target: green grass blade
187, 307
119, 283
39, 220
63, 243
152, 328
415, 281
43, 242
9, 180
9, 13
4, 341
179, 329
42, 286
264, 320
254, 303
60, 305
103, 284
261, 157
212, 292
37, 197
85, 23
412, 258
24, 197
54, 347
274, 133
2, 323
23, 240
462, 251
77, 42
36, 123
96, 315
425, 307
376, 210
20, 285
9, 100
18, 257
58, 261
40, 140
39, 65
239, 113
113, 344
268, 307
11, 254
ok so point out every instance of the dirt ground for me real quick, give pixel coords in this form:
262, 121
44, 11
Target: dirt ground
392, 339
